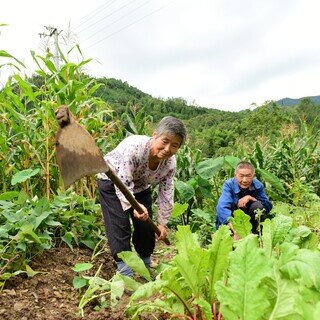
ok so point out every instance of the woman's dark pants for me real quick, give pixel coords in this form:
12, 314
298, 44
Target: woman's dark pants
117, 222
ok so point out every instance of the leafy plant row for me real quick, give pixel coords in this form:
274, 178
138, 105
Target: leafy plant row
275, 277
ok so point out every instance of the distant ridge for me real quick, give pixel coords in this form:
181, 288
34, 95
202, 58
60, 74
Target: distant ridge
292, 102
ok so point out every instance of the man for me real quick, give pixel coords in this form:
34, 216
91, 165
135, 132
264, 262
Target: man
243, 192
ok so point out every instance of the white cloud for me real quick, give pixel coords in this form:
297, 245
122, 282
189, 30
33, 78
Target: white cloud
224, 54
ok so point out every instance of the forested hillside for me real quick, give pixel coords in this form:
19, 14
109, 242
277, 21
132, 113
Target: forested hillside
121, 95
55, 262
220, 129
293, 102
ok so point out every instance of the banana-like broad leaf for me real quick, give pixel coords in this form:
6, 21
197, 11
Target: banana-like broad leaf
179, 209
23, 175
231, 161
272, 179
185, 191
202, 214
9, 195
243, 297
208, 168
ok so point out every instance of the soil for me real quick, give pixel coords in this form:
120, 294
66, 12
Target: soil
49, 295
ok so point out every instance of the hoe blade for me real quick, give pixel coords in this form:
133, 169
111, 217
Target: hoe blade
77, 154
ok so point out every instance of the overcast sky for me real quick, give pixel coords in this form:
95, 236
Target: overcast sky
224, 54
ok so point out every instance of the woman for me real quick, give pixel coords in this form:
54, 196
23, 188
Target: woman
140, 161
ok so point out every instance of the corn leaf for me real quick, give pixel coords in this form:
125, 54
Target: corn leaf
272, 179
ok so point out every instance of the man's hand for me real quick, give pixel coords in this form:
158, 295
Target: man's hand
63, 116
235, 236
242, 203
163, 233
141, 216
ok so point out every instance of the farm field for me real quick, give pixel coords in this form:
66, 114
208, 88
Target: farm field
50, 295
55, 262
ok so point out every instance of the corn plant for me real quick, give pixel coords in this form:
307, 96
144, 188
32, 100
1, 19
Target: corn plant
294, 161
28, 126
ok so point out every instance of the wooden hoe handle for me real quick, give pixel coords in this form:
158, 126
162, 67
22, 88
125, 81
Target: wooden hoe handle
134, 203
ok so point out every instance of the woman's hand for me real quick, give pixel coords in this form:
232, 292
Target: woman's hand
163, 232
141, 216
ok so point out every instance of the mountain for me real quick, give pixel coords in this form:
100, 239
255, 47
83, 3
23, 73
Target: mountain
293, 102
221, 130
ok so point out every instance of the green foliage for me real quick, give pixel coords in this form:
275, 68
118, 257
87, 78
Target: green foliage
269, 279
188, 284
241, 223
23, 175
132, 260
292, 163
33, 102
243, 297
31, 225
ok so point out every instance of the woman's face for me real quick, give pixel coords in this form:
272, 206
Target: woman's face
164, 146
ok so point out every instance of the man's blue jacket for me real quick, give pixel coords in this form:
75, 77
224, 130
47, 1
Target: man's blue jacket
230, 197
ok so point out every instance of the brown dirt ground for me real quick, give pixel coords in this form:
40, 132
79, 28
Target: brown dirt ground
49, 295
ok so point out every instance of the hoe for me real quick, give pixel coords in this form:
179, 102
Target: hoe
78, 156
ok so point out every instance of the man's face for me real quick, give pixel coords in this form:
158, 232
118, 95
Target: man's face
244, 177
